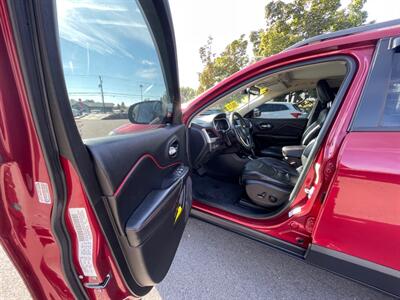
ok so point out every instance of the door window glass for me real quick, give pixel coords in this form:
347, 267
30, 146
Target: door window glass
391, 112
379, 107
110, 62
296, 104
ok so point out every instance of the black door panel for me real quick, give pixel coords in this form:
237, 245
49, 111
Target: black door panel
148, 191
277, 132
116, 155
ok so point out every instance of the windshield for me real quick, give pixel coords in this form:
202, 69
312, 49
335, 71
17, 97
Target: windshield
232, 102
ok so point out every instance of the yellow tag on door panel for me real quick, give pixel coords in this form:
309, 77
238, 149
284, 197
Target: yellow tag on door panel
178, 213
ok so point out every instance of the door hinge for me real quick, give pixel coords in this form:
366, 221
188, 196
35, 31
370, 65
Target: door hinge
100, 285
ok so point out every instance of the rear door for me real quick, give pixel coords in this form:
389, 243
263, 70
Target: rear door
277, 124
123, 199
357, 232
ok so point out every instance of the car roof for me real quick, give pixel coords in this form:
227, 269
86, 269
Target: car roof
344, 32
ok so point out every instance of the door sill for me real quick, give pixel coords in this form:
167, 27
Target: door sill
268, 240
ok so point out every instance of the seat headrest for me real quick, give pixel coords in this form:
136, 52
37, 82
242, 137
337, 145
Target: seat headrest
324, 92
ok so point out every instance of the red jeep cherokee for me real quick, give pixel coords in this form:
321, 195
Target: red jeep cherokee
85, 217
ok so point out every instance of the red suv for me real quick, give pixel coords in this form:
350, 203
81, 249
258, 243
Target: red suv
85, 214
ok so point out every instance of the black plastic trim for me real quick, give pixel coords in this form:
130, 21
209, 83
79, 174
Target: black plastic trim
288, 248
159, 19
344, 32
373, 275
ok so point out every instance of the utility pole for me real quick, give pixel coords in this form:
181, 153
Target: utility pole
102, 93
141, 92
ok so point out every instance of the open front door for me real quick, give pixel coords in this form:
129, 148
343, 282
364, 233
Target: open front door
108, 98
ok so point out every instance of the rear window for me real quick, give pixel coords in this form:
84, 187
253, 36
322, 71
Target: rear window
266, 108
271, 107
280, 107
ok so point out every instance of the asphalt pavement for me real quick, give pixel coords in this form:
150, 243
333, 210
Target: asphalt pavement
212, 263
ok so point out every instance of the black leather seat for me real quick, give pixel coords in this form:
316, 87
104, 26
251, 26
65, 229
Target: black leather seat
269, 181
271, 151
325, 96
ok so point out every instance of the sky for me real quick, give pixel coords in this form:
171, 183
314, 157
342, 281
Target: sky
226, 20
106, 45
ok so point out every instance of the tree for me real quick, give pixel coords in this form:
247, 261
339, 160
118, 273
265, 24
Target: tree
187, 93
217, 68
288, 23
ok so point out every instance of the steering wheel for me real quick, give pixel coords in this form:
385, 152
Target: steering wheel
241, 130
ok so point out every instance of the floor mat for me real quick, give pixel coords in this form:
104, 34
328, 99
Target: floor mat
213, 190
226, 196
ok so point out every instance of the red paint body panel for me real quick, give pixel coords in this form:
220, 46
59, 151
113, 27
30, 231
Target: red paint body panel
25, 228
102, 259
361, 215
130, 127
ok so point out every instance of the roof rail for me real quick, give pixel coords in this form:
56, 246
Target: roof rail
344, 32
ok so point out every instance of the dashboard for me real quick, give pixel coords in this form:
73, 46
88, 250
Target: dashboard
207, 137
221, 123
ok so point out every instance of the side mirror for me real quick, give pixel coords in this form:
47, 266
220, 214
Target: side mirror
147, 112
256, 113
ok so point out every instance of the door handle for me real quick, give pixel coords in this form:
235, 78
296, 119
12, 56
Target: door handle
265, 126
100, 285
173, 149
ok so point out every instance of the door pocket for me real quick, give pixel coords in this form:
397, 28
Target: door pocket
155, 228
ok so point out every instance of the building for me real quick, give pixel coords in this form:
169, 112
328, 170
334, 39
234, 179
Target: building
90, 106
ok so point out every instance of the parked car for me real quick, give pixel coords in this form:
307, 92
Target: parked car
280, 110
76, 113
102, 218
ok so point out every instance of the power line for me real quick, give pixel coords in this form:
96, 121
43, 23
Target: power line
111, 94
102, 93
136, 82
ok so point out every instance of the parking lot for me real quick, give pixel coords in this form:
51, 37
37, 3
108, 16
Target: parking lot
212, 263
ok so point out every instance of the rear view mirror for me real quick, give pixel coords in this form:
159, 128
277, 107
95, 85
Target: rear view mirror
256, 113
253, 90
147, 112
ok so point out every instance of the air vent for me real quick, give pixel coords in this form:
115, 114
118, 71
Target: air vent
211, 133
